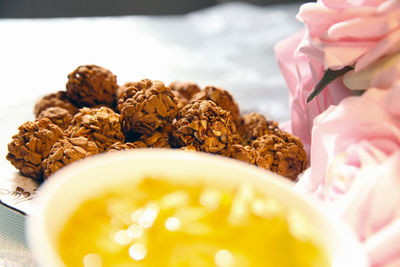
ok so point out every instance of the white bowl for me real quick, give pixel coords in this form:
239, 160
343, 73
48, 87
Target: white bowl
59, 197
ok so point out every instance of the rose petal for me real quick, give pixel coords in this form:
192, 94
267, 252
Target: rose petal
355, 119
374, 187
391, 102
388, 76
284, 51
379, 75
343, 4
365, 27
388, 45
383, 246
311, 14
344, 54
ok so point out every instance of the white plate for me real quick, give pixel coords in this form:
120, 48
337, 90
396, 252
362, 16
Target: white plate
17, 192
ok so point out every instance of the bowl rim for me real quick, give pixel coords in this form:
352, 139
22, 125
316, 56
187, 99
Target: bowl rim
44, 253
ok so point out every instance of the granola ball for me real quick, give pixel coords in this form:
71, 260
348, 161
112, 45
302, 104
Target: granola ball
237, 138
58, 99
247, 154
66, 151
205, 126
151, 107
119, 92
126, 91
238, 132
186, 89
100, 125
129, 89
31, 145
184, 92
125, 146
181, 100
90, 85
222, 98
59, 116
284, 153
157, 139
256, 125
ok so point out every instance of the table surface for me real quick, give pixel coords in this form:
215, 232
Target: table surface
229, 45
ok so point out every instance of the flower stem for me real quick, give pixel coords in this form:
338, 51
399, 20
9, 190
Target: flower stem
329, 76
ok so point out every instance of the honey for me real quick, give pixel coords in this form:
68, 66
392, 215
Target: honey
163, 223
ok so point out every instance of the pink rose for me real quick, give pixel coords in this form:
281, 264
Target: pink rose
364, 34
355, 168
346, 32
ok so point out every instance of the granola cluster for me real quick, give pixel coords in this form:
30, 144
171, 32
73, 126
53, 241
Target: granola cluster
95, 115
91, 85
100, 125
283, 153
184, 91
222, 98
147, 106
59, 116
31, 145
203, 125
66, 151
58, 99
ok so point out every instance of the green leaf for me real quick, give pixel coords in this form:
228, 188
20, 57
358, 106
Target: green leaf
329, 76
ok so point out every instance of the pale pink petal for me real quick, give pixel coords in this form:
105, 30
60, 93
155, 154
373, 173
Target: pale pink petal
303, 113
340, 4
356, 110
343, 4
392, 100
375, 197
311, 14
296, 72
322, 147
377, 96
383, 246
354, 119
382, 74
388, 45
371, 2
365, 27
340, 176
340, 55
388, 5
300, 122
387, 77
392, 263
311, 47
284, 51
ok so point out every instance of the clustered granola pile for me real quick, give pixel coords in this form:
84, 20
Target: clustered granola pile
95, 115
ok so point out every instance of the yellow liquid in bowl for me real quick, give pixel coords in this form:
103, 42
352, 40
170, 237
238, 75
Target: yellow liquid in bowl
164, 223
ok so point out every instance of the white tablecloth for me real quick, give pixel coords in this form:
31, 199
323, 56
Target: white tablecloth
230, 45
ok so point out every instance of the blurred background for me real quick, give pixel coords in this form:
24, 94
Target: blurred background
89, 8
